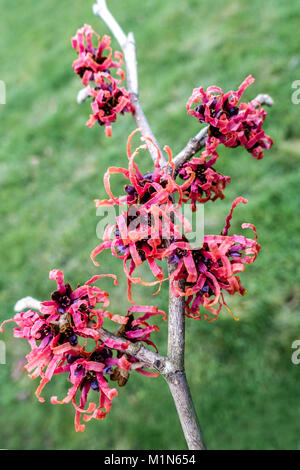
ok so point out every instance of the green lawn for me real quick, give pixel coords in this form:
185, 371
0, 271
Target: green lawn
246, 389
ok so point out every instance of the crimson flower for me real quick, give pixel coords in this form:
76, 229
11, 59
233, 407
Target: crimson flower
109, 100
88, 371
202, 182
94, 66
212, 269
231, 123
137, 330
94, 59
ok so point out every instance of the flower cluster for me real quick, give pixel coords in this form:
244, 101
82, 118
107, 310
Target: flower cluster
202, 182
58, 339
94, 66
230, 122
109, 101
141, 231
146, 232
212, 269
92, 60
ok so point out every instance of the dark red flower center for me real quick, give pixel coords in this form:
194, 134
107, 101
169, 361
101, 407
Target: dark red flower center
63, 298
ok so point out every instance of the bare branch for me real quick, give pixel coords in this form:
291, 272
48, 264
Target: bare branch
147, 357
176, 378
27, 303
82, 95
100, 9
185, 408
176, 327
264, 99
192, 147
198, 142
131, 65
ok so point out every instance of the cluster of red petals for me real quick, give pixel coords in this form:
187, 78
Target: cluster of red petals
94, 65
212, 269
58, 339
202, 182
230, 122
142, 229
109, 100
92, 58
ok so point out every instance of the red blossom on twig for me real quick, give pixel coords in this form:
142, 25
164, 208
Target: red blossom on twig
94, 58
54, 334
212, 269
109, 100
230, 122
141, 231
202, 182
94, 66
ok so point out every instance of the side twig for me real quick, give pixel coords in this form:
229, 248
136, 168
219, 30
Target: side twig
146, 357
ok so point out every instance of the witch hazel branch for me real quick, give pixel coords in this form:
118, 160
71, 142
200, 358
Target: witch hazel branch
150, 229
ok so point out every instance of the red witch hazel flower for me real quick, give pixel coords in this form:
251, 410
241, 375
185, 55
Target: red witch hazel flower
109, 101
92, 60
212, 269
231, 123
202, 182
108, 361
138, 330
54, 334
140, 231
66, 317
94, 66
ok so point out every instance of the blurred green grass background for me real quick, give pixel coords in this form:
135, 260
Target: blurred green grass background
246, 389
